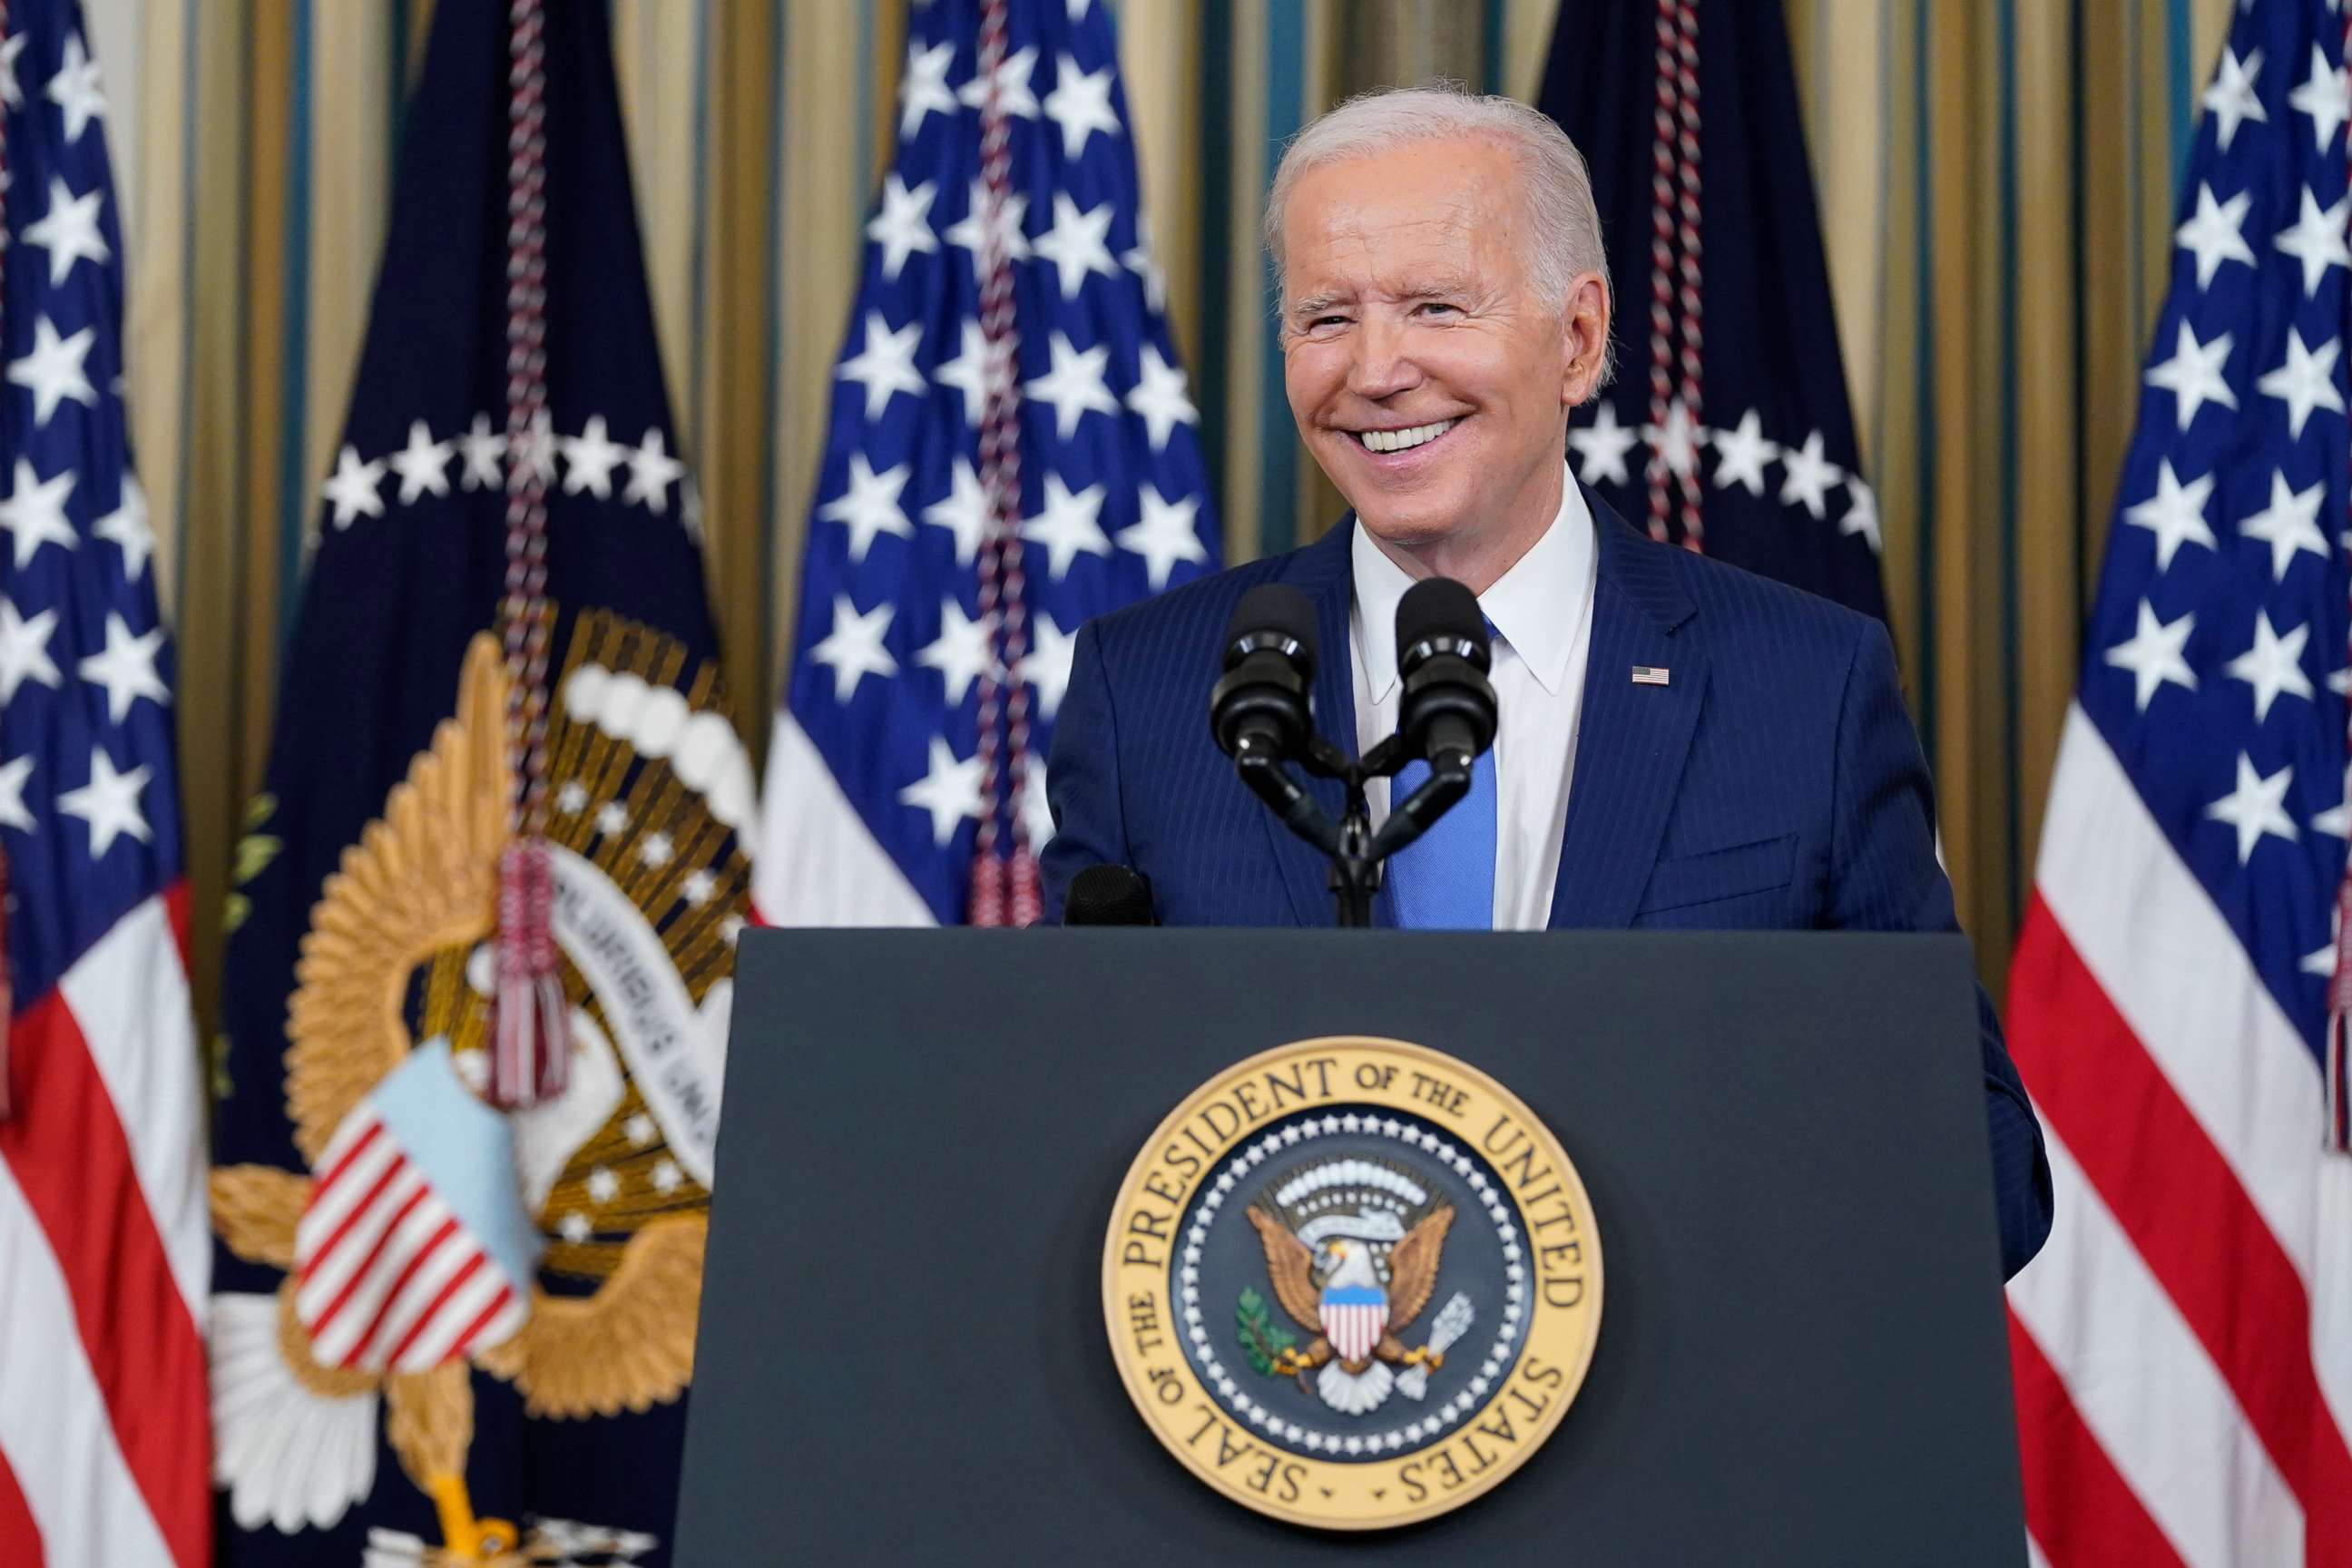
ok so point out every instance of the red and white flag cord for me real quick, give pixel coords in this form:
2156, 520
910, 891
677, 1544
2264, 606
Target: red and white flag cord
1004, 889
529, 1043
1675, 283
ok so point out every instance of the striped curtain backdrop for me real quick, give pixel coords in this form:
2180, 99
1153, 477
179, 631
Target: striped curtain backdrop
1996, 183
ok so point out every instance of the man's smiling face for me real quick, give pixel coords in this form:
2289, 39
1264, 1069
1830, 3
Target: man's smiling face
1427, 377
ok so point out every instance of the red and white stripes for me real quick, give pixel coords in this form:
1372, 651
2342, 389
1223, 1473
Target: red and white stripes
1004, 889
105, 1261
2183, 1346
1674, 279
390, 1277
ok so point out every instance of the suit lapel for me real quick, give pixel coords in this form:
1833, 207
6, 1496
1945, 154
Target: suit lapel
1321, 572
1631, 738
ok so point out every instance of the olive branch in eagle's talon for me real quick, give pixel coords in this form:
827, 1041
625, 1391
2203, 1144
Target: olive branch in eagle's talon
1269, 1348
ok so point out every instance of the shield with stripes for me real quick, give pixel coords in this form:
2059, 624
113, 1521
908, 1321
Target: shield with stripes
414, 1248
1353, 1318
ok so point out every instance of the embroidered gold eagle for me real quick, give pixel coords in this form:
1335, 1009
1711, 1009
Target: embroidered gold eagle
1308, 1281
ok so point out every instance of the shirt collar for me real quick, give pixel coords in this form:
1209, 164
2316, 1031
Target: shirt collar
1536, 606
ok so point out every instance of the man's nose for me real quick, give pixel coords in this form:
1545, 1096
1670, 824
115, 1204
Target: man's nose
1383, 364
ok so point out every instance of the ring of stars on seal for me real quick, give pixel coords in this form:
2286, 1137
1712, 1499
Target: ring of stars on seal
1411, 1134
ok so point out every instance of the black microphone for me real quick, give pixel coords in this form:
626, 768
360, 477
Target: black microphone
1260, 700
1447, 709
1109, 895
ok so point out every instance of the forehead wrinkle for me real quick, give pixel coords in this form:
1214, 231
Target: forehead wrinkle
1341, 253
1348, 242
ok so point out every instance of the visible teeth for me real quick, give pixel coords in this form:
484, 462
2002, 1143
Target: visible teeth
1403, 440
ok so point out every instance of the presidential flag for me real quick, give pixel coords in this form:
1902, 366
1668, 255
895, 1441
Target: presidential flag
1012, 451
2182, 1347
104, 1259
1727, 428
457, 1302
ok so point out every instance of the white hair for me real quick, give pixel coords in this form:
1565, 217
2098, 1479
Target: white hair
1563, 225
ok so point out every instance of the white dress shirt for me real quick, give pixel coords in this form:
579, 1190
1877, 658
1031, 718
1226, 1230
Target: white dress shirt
1542, 613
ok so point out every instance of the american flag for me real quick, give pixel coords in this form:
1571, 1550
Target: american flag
2182, 1347
900, 734
104, 1254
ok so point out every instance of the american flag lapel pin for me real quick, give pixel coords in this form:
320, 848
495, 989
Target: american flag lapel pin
1650, 675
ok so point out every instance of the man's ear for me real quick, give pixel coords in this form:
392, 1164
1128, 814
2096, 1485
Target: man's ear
1583, 339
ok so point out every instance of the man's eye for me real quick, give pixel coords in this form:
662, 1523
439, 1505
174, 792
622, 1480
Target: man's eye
1430, 305
1320, 322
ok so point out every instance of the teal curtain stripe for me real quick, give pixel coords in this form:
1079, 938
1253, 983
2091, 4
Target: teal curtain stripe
1876, 457
697, 311
772, 366
293, 479
1217, 165
865, 170
1286, 66
2079, 216
1822, 48
2010, 690
242, 378
2179, 40
1490, 49
2134, 67
1923, 412
189, 140
396, 120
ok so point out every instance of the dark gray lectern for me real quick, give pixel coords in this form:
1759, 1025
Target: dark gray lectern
1802, 1357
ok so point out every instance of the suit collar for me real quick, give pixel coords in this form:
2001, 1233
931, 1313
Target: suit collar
1632, 738
1640, 569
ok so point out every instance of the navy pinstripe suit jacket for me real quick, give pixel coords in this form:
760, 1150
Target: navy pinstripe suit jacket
1775, 782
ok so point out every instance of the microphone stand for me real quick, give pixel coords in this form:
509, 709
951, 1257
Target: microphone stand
1356, 852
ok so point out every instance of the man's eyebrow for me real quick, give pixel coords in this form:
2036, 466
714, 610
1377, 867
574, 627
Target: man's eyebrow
1311, 303
1434, 288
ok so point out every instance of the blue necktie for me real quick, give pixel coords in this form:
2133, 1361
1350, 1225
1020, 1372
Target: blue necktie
1445, 881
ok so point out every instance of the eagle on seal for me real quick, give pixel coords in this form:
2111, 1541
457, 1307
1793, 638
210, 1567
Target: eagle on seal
1335, 1290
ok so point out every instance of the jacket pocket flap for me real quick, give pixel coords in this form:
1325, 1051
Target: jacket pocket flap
1713, 874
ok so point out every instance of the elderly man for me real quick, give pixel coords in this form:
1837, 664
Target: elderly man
1443, 304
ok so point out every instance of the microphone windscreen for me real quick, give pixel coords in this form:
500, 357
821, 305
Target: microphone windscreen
1278, 608
1107, 895
1439, 607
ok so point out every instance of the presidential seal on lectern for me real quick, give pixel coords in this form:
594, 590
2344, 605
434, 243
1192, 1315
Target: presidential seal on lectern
1352, 1282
